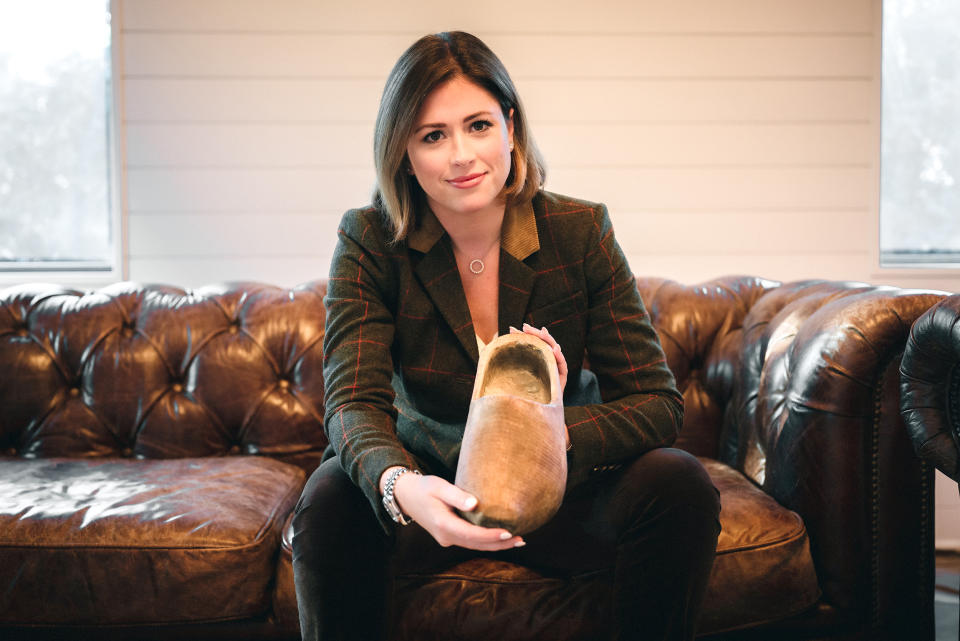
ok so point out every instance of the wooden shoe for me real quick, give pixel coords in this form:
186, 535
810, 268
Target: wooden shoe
513, 457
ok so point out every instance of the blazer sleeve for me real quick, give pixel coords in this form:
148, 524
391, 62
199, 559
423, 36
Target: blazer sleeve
642, 408
360, 419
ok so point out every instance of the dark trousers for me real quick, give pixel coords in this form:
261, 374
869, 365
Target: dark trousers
654, 521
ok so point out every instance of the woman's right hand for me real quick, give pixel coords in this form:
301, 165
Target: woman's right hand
431, 501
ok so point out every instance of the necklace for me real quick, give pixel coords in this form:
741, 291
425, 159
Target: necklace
476, 266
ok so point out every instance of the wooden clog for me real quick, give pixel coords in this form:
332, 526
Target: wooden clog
513, 457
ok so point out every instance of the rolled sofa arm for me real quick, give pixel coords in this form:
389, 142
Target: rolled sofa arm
820, 429
930, 386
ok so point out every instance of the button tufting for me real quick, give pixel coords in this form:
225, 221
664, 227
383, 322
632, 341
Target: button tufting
284, 384
74, 391
178, 387
127, 452
22, 332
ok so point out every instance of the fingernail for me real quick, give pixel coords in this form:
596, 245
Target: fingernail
519, 544
514, 329
526, 325
470, 503
505, 535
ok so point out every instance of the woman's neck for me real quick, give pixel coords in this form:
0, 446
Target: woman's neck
473, 234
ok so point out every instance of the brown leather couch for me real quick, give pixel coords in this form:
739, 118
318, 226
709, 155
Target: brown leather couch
154, 442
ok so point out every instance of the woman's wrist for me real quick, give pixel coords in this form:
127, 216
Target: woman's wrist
385, 475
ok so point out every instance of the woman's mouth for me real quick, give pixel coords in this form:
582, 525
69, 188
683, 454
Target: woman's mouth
465, 182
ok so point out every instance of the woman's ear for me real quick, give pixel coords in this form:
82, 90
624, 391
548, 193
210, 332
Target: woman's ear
510, 128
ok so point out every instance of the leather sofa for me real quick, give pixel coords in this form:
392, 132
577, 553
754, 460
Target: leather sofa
154, 441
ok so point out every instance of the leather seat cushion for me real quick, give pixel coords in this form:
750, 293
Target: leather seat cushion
118, 541
763, 572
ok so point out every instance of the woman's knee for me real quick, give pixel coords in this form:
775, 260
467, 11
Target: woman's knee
331, 512
670, 476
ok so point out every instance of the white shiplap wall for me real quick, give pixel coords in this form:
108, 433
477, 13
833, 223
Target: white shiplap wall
725, 136
734, 136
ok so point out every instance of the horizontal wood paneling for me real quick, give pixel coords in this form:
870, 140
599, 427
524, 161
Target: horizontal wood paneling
703, 144
709, 129
623, 189
537, 16
248, 190
193, 145
554, 100
269, 233
716, 189
704, 100
284, 270
786, 266
244, 100
741, 234
947, 522
190, 145
326, 55
263, 234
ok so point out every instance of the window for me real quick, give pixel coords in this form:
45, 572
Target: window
920, 143
57, 208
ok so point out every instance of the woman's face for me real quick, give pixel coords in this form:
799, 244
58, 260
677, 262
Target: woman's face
460, 149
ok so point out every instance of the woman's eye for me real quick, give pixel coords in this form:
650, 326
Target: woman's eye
480, 125
433, 136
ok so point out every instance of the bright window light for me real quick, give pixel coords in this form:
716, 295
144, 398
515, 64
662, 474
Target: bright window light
55, 110
920, 148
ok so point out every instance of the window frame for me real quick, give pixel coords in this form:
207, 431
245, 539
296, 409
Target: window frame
879, 270
81, 274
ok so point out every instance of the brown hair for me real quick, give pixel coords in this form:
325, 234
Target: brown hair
429, 62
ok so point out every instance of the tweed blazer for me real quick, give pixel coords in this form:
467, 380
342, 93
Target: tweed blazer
400, 351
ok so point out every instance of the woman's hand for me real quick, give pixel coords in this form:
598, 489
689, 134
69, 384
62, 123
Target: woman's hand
431, 501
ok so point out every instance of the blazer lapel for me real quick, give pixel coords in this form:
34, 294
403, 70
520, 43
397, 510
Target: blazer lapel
516, 285
438, 274
520, 240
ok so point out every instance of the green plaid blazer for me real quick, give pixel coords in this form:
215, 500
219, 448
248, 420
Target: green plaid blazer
400, 352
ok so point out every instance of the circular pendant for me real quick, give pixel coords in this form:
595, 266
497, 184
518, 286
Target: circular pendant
476, 266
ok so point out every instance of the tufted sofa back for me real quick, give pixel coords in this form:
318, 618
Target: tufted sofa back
701, 329
160, 372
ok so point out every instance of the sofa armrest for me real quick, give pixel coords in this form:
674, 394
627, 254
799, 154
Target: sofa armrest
930, 386
821, 431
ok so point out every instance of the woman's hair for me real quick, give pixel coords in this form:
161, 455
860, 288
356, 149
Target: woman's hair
428, 63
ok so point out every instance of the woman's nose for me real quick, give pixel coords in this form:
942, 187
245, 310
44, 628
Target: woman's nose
462, 150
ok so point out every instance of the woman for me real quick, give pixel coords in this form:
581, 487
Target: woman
461, 244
